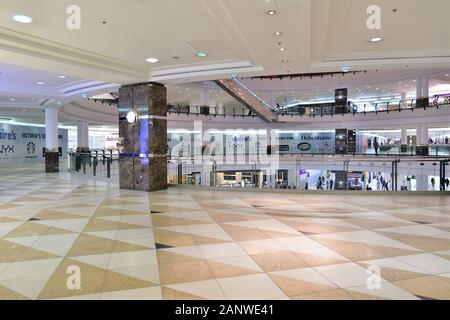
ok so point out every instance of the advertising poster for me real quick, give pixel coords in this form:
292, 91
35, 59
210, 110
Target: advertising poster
21, 144
306, 142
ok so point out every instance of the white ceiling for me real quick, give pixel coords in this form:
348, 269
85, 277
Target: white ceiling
117, 36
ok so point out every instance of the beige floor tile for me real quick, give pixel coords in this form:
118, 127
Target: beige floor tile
7, 294
337, 294
293, 287
170, 294
253, 287
429, 287
277, 261
182, 272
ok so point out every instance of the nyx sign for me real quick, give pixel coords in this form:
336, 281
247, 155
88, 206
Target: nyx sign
7, 149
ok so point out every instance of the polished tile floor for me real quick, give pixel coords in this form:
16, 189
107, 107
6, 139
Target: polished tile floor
57, 231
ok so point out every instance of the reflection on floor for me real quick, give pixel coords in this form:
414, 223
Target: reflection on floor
215, 245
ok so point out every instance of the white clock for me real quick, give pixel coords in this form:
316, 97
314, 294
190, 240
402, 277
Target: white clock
132, 117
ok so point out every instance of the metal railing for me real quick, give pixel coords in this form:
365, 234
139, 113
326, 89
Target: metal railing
95, 163
312, 110
216, 171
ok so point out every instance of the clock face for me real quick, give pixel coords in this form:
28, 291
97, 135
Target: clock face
132, 117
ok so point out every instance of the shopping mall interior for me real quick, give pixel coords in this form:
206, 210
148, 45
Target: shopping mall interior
224, 150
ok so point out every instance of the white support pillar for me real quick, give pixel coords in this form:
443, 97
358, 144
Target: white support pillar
419, 89
82, 136
51, 129
404, 138
404, 103
421, 182
422, 93
425, 135
425, 88
220, 109
422, 135
51, 140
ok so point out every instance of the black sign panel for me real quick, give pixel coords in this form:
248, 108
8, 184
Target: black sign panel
341, 141
341, 97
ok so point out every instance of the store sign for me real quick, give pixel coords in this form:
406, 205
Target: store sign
307, 142
22, 144
111, 142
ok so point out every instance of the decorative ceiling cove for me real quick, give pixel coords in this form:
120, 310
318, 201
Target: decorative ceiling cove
237, 37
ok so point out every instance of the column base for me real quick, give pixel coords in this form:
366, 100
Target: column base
143, 174
404, 148
422, 151
422, 103
52, 162
82, 150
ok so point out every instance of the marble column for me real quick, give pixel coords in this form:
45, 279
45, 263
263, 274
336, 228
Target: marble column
143, 142
51, 140
82, 136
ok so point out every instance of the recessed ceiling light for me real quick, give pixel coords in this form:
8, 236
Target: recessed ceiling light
12, 99
271, 12
22, 18
40, 83
152, 60
202, 54
278, 33
282, 49
346, 69
62, 77
24, 110
447, 75
376, 39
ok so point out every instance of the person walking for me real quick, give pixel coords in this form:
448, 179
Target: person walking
376, 145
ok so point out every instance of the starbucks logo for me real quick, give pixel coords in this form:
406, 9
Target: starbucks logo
31, 148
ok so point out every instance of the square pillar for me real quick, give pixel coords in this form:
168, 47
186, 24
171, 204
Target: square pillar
143, 142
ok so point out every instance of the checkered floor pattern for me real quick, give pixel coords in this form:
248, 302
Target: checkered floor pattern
194, 244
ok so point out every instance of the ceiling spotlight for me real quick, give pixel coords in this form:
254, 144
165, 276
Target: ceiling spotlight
346, 69
376, 39
22, 18
62, 77
202, 54
271, 12
282, 49
40, 83
12, 99
278, 33
152, 60
447, 75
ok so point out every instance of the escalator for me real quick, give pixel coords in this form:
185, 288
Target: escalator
244, 95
